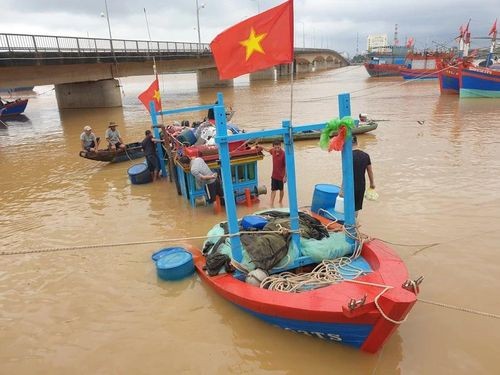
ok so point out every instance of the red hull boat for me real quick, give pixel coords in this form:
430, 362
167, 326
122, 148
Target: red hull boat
362, 313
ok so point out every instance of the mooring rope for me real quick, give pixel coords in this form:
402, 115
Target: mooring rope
324, 278
96, 246
459, 308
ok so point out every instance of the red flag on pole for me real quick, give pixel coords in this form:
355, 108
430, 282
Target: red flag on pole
256, 43
493, 30
152, 93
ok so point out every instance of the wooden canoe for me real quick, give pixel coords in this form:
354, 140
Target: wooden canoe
132, 151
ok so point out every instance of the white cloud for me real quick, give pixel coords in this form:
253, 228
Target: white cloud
327, 23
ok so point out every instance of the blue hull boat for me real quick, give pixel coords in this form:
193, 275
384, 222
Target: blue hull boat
13, 108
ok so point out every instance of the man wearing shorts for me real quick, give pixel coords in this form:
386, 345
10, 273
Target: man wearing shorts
278, 177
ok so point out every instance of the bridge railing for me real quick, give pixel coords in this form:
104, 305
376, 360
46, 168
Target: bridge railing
64, 44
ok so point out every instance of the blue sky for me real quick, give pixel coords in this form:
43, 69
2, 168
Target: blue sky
338, 24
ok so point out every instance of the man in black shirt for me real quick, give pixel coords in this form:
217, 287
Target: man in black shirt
148, 145
361, 163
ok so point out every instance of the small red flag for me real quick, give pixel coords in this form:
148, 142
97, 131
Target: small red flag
152, 93
493, 30
256, 43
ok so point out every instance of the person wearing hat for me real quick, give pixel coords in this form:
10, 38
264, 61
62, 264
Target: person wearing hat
114, 138
361, 165
88, 139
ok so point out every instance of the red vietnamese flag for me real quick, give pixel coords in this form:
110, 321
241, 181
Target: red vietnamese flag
493, 30
152, 93
257, 43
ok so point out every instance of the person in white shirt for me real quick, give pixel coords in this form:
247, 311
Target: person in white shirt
114, 138
88, 139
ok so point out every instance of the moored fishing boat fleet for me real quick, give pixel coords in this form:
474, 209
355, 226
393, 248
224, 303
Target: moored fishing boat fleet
457, 71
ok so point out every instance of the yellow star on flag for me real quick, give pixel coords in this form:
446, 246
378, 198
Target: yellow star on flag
157, 96
252, 44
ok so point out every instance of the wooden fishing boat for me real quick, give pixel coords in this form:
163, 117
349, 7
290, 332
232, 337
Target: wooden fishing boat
361, 312
386, 61
449, 80
422, 66
360, 129
479, 82
13, 108
382, 70
131, 152
361, 309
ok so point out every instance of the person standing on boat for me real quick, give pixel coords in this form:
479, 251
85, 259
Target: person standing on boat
361, 164
114, 138
278, 176
148, 145
89, 140
204, 177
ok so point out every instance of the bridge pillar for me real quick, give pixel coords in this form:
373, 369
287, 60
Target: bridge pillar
94, 94
319, 65
263, 74
210, 78
304, 68
283, 70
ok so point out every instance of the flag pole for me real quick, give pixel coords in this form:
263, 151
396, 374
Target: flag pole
292, 65
154, 60
165, 134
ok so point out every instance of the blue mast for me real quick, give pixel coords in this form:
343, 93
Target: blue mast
156, 132
347, 169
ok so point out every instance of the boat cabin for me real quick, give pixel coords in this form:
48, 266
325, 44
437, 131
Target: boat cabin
244, 175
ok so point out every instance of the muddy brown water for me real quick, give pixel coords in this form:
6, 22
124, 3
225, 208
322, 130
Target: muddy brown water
103, 311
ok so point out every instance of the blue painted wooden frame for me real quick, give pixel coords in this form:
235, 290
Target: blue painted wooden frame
222, 139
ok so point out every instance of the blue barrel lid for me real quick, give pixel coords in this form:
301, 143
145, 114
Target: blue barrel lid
327, 188
137, 169
174, 259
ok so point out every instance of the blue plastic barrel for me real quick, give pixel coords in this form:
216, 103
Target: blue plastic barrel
324, 197
175, 264
139, 174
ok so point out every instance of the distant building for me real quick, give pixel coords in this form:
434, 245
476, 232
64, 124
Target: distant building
376, 41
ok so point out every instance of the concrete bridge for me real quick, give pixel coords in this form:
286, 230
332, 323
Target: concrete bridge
84, 70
